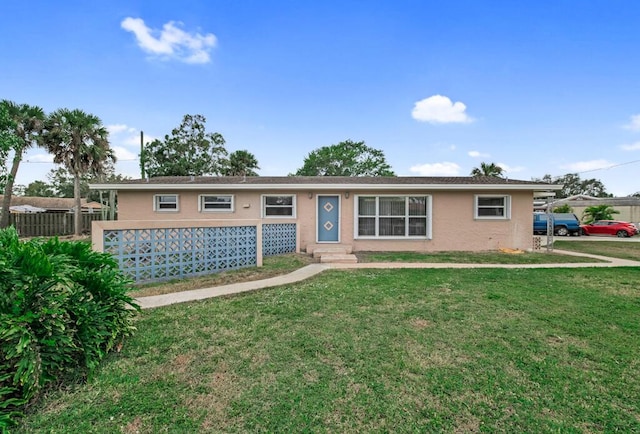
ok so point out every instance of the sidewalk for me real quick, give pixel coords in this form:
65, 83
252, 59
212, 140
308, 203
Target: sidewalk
313, 269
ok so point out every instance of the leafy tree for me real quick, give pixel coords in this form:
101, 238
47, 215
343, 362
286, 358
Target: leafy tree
240, 163
189, 150
19, 189
598, 212
28, 122
572, 185
564, 208
39, 189
61, 184
487, 169
61, 181
79, 141
346, 158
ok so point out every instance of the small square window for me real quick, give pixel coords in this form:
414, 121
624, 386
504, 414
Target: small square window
492, 207
165, 202
216, 203
279, 206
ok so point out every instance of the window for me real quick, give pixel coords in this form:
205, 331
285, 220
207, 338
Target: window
278, 206
218, 203
492, 207
165, 202
393, 216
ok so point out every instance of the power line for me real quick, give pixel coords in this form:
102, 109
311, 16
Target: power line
610, 167
600, 168
51, 162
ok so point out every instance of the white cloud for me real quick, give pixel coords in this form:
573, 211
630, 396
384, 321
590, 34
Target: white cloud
632, 147
634, 124
127, 136
119, 128
436, 169
438, 109
477, 154
584, 166
171, 43
40, 158
123, 154
509, 169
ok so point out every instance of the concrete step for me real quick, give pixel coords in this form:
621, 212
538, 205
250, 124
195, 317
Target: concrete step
338, 258
319, 250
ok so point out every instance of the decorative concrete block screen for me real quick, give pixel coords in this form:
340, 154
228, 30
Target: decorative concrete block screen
163, 254
278, 238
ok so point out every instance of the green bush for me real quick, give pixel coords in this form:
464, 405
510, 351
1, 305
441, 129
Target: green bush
63, 307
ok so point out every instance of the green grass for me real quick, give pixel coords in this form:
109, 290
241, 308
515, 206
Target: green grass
283, 264
614, 249
420, 350
271, 266
472, 257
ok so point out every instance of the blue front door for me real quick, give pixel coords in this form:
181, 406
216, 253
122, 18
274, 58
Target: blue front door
328, 219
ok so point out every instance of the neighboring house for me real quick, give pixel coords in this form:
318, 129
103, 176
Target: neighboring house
52, 204
364, 213
628, 207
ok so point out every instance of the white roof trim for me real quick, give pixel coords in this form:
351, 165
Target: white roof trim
317, 187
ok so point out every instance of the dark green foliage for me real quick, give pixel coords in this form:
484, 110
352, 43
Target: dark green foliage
189, 150
240, 163
598, 212
564, 208
63, 307
347, 158
488, 169
38, 189
572, 185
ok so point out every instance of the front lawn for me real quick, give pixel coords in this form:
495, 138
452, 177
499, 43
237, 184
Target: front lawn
417, 350
613, 249
271, 266
492, 257
283, 264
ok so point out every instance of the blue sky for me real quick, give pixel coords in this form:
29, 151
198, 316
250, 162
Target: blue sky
544, 87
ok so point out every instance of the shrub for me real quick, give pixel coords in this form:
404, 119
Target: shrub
563, 209
63, 307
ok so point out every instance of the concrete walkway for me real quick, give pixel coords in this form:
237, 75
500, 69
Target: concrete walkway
313, 269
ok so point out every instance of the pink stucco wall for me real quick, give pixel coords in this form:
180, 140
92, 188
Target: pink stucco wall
453, 223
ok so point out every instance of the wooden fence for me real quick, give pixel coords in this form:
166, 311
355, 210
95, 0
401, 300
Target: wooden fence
49, 224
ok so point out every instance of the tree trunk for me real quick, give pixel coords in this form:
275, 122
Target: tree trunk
8, 189
78, 208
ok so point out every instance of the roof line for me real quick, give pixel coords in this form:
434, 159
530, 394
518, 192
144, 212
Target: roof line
314, 187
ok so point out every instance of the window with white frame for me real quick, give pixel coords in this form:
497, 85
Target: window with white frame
216, 203
278, 206
393, 216
165, 202
492, 207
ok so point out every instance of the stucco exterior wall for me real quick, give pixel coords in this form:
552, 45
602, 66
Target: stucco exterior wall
453, 224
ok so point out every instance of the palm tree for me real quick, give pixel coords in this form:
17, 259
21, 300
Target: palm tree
241, 163
28, 121
598, 212
78, 141
487, 169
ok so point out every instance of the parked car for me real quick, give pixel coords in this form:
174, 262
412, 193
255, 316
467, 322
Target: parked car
563, 224
610, 227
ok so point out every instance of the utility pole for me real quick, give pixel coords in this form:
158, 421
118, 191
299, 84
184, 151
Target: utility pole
142, 174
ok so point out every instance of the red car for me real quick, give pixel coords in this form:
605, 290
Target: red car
609, 227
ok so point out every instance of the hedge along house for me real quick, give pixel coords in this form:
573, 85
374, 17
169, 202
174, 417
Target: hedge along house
177, 226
